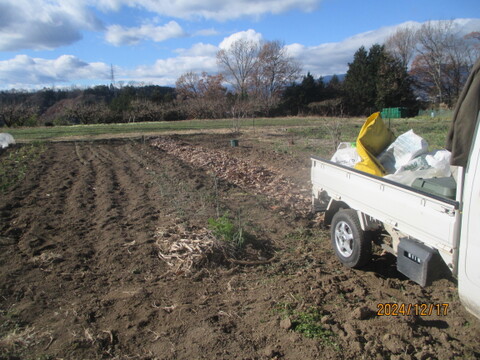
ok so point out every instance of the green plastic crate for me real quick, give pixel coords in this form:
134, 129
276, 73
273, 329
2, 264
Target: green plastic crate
394, 113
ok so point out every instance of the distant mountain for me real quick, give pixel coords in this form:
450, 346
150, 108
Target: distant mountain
327, 78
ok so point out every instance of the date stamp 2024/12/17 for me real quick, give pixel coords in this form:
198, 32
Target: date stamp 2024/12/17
394, 309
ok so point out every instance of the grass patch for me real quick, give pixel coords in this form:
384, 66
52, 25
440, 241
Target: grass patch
314, 135
225, 230
318, 139
15, 162
307, 322
29, 134
434, 131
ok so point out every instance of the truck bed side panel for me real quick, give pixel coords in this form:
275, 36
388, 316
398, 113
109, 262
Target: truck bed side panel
429, 218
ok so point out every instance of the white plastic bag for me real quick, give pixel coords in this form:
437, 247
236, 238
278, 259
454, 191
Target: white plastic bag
5, 140
405, 148
346, 154
434, 164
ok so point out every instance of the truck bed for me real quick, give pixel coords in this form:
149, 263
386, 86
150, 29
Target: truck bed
428, 218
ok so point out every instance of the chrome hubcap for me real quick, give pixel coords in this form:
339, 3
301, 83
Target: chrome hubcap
344, 238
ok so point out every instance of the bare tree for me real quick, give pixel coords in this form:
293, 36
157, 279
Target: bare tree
18, 114
258, 74
142, 110
214, 95
433, 41
238, 63
275, 70
85, 113
401, 45
443, 61
201, 96
473, 43
187, 86
439, 58
459, 62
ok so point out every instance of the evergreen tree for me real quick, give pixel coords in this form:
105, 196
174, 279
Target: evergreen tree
376, 80
358, 98
297, 96
375, 61
334, 88
308, 90
394, 86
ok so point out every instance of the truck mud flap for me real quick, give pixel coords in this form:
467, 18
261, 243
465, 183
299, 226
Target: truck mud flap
419, 262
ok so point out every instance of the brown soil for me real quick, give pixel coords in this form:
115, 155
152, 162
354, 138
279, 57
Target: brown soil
83, 276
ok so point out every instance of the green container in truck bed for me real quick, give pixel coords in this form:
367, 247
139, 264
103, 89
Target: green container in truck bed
444, 186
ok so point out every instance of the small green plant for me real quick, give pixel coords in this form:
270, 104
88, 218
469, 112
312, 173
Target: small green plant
224, 229
307, 322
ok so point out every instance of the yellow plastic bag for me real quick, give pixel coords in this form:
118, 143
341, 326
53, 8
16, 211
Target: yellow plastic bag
373, 138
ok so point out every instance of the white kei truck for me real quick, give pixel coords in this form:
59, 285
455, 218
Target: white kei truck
429, 233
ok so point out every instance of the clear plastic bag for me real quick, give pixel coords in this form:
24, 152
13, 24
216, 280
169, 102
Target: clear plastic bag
405, 148
434, 164
6, 140
346, 154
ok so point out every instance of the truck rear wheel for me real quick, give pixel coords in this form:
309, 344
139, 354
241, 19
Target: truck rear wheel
351, 246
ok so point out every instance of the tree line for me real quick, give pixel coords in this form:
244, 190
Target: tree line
415, 68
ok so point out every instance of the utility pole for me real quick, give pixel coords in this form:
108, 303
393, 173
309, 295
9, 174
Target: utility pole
112, 75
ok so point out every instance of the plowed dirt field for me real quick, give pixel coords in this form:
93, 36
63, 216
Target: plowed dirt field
90, 265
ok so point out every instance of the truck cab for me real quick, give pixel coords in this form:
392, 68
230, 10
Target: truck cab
469, 236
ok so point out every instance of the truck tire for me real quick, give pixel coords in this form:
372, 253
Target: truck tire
351, 246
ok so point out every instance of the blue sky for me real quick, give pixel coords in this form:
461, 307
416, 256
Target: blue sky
46, 43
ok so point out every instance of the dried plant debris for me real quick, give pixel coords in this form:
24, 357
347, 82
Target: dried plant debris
21, 338
258, 179
47, 258
186, 249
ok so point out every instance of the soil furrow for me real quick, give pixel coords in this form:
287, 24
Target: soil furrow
80, 275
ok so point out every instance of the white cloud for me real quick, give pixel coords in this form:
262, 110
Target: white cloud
210, 9
198, 58
118, 35
25, 71
249, 35
167, 71
199, 49
333, 58
37, 24
323, 59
